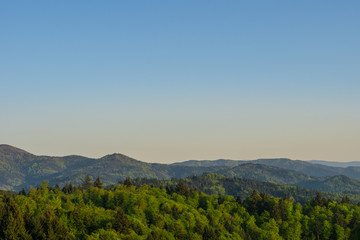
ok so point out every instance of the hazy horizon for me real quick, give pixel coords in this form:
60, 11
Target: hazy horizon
176, 81
168, 162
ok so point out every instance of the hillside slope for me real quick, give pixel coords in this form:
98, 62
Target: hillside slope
267, 173
218, 184
19, 169
311, 168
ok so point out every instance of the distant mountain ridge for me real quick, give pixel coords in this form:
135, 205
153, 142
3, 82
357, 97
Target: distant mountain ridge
19, 169
218, 184
267, 173
307, 167
337, 164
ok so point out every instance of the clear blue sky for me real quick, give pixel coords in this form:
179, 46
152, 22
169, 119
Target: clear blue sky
166, 81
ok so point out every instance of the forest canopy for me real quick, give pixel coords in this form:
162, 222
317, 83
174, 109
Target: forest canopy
126, 211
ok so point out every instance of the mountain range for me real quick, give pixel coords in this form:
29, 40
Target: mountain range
21, 169
312, 168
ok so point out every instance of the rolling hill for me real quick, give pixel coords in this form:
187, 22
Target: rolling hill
20, 169
267, 173
337, 164
306, 167
218, 184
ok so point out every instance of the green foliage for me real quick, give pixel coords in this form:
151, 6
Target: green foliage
217, 184
149, 212
98, 183
120, 222
87, 183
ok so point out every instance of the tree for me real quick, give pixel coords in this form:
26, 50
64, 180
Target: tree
52, 227
209, 234
22, 192
319, 200
98, 183
252, 203
345, 199
57, 188
12, 222
127, 182
120, 222
87, 183
182, 188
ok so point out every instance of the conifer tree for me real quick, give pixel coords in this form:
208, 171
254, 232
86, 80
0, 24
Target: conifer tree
12, 223
57, 188
22, 192
121, 222
98, 183
182, 188
127, 182
87, 183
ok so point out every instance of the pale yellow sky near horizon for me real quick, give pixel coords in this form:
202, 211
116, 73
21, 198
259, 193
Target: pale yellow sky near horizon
169, 152
174, 133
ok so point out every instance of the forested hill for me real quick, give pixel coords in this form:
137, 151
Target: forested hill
312, 168
335, 184
217, 184
151, 213
337, 164
19, 169
267, 173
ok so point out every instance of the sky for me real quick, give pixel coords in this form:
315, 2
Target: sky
167, 81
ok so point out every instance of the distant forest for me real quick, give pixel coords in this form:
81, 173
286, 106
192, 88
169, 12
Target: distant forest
127, 211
